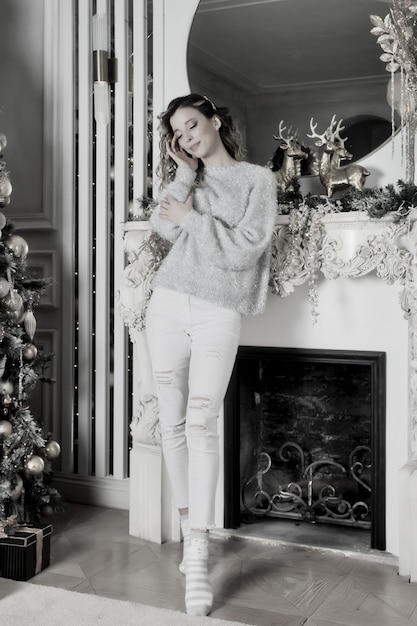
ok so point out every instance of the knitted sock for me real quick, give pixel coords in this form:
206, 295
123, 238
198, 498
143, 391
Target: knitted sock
198, 594
185, 531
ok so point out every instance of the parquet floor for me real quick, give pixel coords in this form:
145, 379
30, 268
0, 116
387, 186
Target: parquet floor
256, 582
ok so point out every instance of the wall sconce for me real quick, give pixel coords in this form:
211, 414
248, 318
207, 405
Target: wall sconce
104, 69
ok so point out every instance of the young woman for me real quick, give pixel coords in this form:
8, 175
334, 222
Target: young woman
218, 211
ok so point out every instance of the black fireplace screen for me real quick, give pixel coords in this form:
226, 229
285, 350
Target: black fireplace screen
305, 438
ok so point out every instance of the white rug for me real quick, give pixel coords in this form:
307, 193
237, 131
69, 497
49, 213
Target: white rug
36, 605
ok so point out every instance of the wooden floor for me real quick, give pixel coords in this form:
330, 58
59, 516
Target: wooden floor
256, 582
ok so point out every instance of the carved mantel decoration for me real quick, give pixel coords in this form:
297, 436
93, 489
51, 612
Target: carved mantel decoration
144, 252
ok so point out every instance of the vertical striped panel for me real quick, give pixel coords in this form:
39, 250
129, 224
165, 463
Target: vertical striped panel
101, 290
140, 71
121, 202
65, 200
84, 251
158, 70
95, 437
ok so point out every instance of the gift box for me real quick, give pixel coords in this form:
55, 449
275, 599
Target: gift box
25, 553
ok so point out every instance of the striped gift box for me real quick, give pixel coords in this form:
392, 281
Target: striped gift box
25, 553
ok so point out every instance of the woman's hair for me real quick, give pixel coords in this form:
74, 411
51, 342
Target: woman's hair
229, 133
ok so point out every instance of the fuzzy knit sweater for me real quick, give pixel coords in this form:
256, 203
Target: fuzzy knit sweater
221, 252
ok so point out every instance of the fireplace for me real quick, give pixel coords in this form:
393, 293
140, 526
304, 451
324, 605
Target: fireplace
305, 438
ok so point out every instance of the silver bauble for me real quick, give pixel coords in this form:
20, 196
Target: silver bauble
3, 141
34, 465
52, 450
13, 301
6, 387
29, 352
6, 400
6, 428
4, 287
17, 245
17, 491
2, 365
5, 186
3, 221
47, 510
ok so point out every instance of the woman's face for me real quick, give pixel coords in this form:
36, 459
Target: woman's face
195, 133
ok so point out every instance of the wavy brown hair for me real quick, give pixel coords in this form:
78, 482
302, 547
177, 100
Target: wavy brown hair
229, 133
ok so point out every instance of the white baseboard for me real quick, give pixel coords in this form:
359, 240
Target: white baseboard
106, 492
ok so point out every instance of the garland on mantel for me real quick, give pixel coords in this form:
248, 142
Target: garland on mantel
376, 201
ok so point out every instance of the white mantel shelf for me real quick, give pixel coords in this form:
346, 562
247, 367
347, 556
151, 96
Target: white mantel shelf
352, 245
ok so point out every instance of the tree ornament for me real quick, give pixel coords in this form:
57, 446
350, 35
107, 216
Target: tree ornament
3, 221
6, 386
47, 510
6, 400
2, 366
13, 301
34, 465
17, 245
29, 322
3, 142
29, 352
5, 287
6, 428
52, 449
18, 489
5, 189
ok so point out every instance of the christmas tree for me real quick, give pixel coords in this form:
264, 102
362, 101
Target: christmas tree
26, 494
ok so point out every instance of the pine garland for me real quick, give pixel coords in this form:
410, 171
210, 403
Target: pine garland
377, 202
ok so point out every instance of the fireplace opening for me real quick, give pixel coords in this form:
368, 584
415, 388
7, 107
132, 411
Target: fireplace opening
305, 440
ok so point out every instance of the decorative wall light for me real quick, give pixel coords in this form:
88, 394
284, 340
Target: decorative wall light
104, 69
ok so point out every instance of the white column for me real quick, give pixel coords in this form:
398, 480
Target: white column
64, 194
151, 513
120, 210
84, 235
102, 272
412, 509
408, 473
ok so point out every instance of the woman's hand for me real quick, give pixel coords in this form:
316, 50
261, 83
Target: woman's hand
175, 211
181, 158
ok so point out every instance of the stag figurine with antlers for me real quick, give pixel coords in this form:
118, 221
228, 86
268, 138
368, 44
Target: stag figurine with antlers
333, 176
291, 152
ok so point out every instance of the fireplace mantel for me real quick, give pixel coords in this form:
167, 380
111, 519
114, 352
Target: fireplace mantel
352, 245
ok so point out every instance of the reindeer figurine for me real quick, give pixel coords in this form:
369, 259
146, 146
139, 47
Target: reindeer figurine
332, 175
293, 154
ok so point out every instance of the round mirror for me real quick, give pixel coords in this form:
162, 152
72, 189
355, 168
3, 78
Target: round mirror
293, 60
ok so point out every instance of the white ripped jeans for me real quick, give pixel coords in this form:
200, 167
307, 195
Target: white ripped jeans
192, 346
